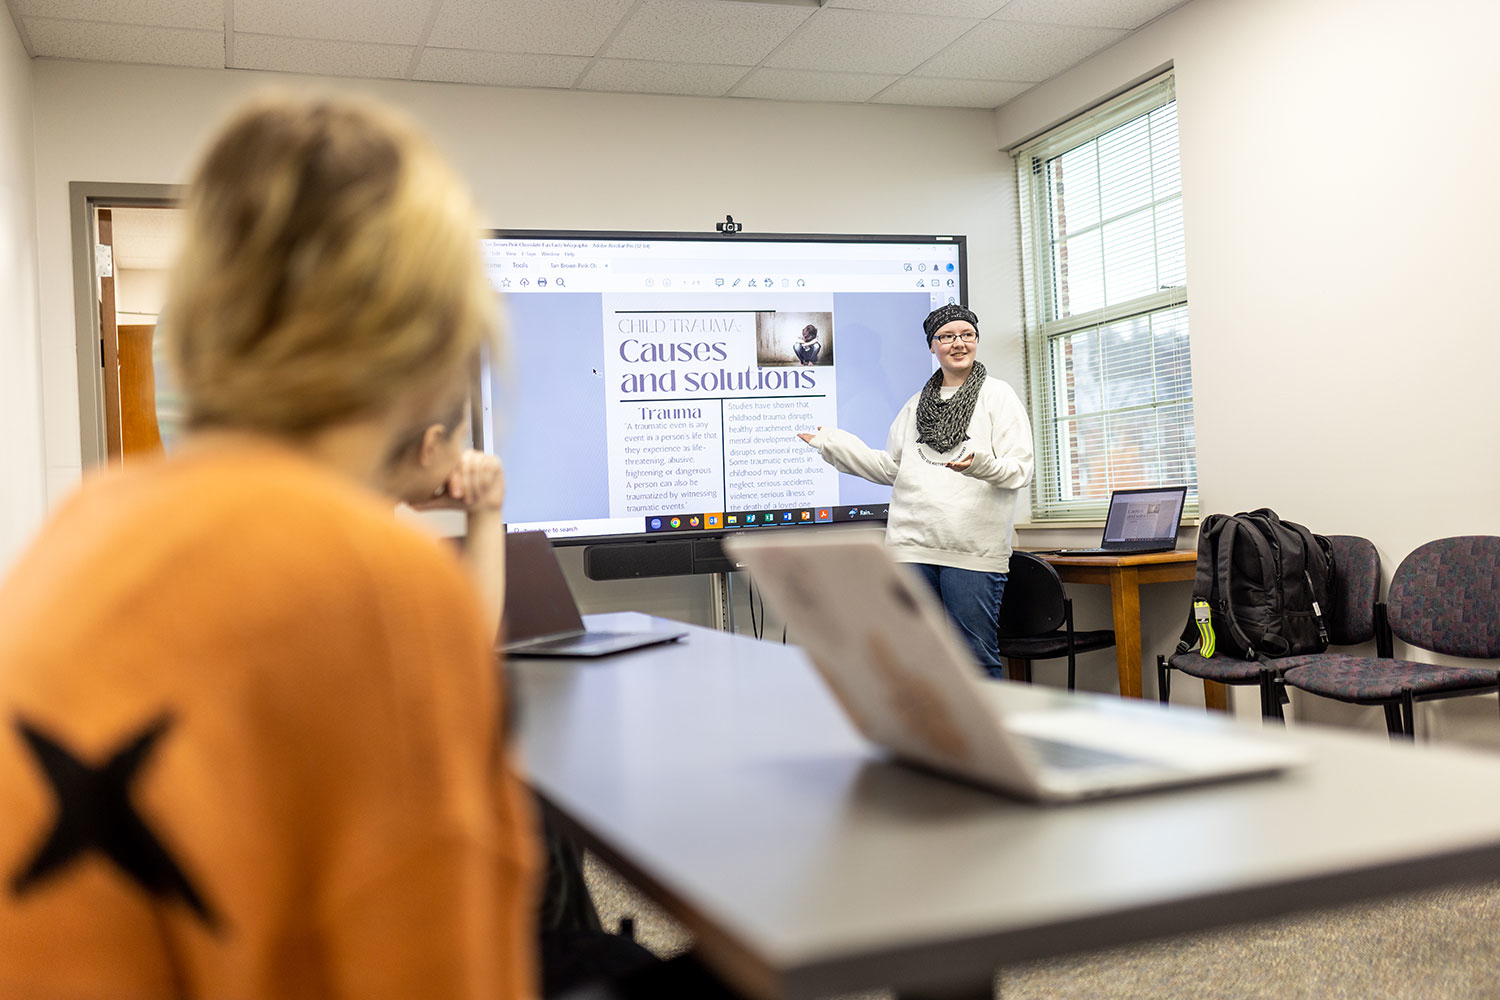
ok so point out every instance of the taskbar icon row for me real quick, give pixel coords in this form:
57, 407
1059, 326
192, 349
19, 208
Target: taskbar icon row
733, 520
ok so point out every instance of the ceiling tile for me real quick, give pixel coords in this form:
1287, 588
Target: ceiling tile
146, 237
205, 14
125, 43
322, 57
1095, 13
740, 34
810, 85
564, 27
946, 8
499, 69
1009, 50
931, 92
145, 224
635, 77
857, 41
337, 20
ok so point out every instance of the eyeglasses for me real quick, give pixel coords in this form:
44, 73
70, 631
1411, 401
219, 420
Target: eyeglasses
968, 337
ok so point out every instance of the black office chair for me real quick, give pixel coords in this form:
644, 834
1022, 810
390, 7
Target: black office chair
1444, 597
1036, 618
1355, 617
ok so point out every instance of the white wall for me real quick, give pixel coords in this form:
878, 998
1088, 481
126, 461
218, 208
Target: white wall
139, 294
22, 483
554, 159
1341, 215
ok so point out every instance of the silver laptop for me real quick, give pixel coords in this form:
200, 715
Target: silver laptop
882, 642
541, 618
1139, 521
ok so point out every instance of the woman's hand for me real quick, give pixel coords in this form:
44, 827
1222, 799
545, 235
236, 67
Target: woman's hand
476, 484
807, 437
962, 464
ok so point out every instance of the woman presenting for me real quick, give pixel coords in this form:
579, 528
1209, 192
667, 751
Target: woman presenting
955, 457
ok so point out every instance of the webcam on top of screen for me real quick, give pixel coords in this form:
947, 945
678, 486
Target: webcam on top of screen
729, 227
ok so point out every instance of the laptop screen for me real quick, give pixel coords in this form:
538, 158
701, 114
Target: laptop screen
537, 600
1150, 515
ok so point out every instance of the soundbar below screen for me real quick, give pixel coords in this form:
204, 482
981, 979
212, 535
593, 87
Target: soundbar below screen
656, 386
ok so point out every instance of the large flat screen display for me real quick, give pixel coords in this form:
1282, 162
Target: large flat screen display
656, 382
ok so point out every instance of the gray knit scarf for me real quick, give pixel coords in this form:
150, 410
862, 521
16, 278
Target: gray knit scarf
944, 423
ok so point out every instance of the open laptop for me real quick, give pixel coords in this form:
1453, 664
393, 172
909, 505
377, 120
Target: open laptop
541, 618
908, 682
1139, 521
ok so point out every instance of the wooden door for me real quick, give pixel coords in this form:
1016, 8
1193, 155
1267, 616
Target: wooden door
139, 432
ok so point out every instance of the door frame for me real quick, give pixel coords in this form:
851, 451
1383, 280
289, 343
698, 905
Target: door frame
83, 198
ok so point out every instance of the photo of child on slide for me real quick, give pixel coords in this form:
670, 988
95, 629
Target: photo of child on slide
793, 338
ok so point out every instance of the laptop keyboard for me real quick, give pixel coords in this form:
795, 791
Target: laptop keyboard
587, 641
567, 640
1072, 757
571, 641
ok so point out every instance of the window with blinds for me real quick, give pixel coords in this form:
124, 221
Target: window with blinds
1106, 300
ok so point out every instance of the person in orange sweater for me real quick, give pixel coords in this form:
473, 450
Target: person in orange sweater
251, 729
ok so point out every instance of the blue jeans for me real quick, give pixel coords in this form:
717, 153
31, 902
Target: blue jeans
972, 600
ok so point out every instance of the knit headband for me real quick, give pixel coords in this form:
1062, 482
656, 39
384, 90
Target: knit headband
943, 315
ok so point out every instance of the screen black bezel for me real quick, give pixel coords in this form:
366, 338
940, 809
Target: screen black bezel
475, 409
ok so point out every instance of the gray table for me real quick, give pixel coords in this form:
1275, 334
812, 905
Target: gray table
719, 776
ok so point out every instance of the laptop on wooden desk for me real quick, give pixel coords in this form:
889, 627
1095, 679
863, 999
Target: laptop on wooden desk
908, 683
1139, 521
542, 619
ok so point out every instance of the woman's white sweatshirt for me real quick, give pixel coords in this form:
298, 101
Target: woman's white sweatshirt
939, 516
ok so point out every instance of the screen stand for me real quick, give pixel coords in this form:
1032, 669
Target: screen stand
722, 589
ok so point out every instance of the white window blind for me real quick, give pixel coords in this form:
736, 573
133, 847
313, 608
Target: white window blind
1106, 300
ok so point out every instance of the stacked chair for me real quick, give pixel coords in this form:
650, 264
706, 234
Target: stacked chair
1036, 618
1444, 598
1354, 618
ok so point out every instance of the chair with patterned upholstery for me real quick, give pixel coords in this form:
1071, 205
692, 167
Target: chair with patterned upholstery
1355, 617
1036, 618
1444, 598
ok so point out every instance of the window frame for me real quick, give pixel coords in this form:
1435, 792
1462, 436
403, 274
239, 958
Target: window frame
1043, 375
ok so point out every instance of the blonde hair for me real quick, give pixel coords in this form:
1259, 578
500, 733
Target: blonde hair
330, 267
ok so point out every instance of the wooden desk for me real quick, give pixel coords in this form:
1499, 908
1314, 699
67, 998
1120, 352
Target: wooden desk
1124, 576
719, 775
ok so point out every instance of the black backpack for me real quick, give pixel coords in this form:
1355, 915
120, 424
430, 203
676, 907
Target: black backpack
1261, 589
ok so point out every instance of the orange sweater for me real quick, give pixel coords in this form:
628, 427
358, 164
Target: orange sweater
249, 749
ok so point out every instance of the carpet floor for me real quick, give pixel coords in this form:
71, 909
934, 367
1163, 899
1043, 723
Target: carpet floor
1440, 945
